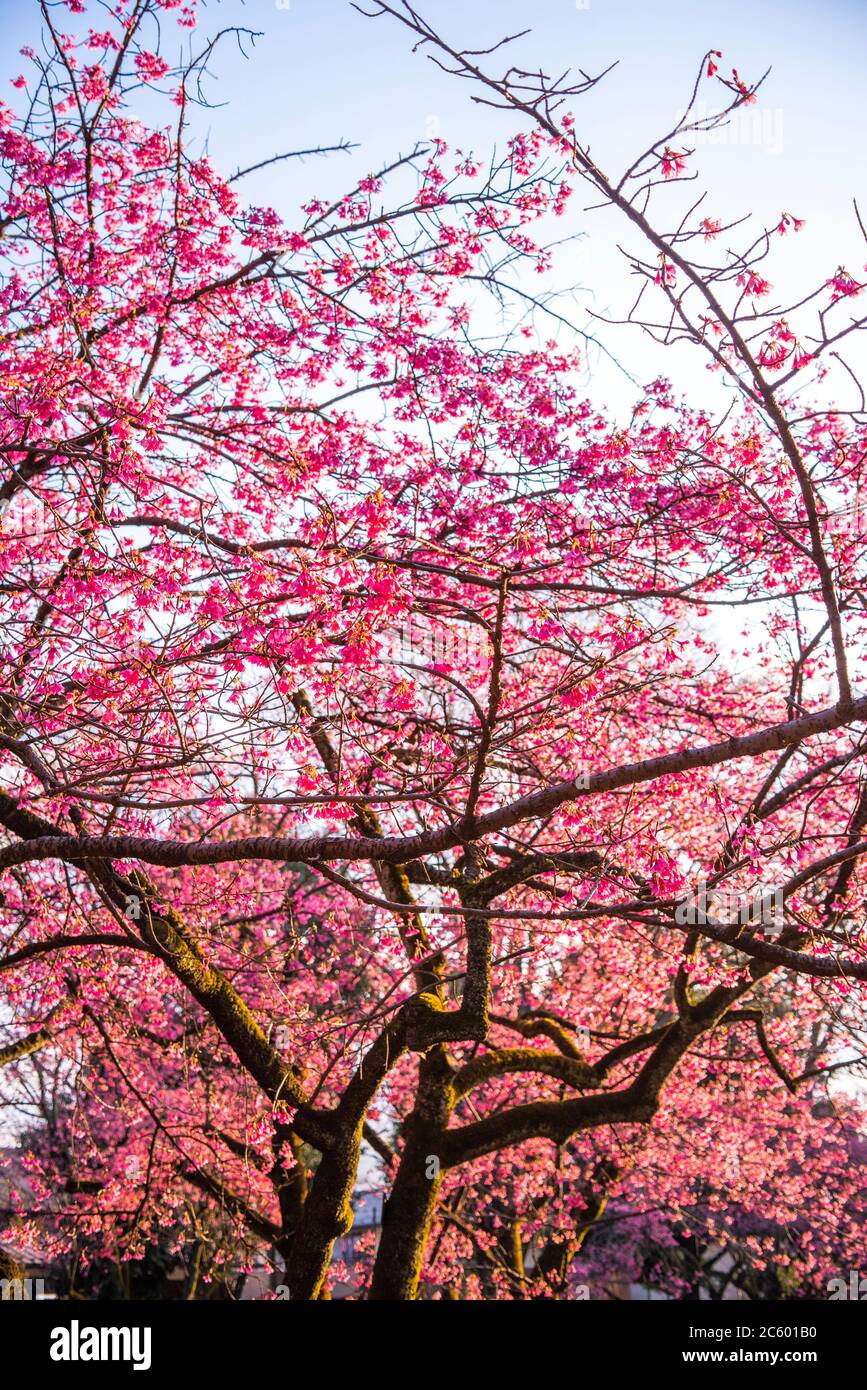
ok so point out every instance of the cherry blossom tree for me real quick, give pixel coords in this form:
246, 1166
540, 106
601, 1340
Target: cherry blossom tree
374, 768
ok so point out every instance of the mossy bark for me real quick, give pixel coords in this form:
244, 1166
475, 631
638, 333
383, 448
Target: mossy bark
409, 1211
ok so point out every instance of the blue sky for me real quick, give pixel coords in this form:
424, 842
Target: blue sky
321, 72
